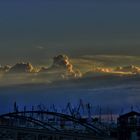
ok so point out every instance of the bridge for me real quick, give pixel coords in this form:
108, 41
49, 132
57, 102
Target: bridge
45, 125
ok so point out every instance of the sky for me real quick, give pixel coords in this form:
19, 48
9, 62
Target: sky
36, 30
91, 33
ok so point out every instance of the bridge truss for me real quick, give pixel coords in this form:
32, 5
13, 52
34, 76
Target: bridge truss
50, 122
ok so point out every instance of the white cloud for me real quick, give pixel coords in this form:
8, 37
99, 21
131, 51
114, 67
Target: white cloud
40, 47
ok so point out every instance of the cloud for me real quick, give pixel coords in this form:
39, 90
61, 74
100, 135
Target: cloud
40, 47
133, 69
22, 68
112, 60
4, 69
21, 73
62, 67
122, 70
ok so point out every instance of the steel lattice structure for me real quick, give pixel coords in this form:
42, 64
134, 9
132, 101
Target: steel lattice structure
51, 121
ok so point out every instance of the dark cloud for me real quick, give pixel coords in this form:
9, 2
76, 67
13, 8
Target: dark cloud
21, 68
5, 68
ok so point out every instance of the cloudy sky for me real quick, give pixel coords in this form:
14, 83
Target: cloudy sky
92, 33
36, 30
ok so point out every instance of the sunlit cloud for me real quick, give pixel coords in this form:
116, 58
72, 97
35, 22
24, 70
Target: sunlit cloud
121, 71
131, 68
64, 68
61, 69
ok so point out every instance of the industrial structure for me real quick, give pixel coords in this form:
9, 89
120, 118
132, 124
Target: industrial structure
129, 126
42, 124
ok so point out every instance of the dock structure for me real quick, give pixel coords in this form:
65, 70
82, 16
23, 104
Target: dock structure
45, 125
129, 126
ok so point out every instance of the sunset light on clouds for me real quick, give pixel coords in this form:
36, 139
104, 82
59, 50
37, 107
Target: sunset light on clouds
55, 52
